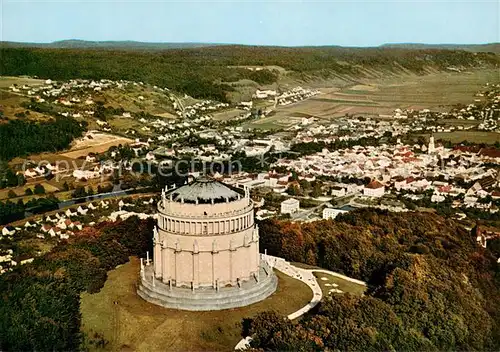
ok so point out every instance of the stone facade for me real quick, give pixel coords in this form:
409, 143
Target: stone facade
290, 206
206, 240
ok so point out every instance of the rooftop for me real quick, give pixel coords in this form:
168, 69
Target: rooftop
204, 190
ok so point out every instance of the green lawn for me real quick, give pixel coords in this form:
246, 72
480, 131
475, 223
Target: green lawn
343, 285
134, 324
471, 136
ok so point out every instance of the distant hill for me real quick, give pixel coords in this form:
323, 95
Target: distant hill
490, 47
135, 45
204, 70
122, 45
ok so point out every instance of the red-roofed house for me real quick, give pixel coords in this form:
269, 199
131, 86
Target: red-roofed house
374, 189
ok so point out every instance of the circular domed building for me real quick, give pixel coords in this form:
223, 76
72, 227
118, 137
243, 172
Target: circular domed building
206, 250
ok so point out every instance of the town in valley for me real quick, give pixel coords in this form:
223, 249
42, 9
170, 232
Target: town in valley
203, 196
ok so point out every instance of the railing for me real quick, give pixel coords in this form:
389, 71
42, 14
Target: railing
214, 216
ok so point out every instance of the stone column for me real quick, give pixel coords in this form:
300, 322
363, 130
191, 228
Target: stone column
165, 262
176, 263
196, 265
232, 251
214, 261
142, 270
157, 254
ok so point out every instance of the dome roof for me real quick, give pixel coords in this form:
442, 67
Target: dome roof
203, 190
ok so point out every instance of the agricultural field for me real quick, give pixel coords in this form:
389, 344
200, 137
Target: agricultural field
99, 143
138, 98
381, 96
10, 102
130, 323
6, 81
20, 191
470, 136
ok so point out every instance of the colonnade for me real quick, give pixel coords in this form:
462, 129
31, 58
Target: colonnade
206, 227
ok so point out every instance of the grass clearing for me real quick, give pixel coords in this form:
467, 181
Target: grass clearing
343, 285
20, 191
470, 136
134, 324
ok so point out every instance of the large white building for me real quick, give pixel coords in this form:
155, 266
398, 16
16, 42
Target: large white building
374, 189
332, 213
206, 250
290, 206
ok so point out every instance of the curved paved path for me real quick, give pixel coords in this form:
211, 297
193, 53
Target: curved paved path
307, 277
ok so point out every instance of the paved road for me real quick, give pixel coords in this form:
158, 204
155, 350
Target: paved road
307, 277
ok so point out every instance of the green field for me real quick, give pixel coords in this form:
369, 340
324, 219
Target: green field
343, 285
470, 136
435, 91
134, 324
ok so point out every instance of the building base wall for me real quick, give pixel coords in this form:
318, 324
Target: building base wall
207, 299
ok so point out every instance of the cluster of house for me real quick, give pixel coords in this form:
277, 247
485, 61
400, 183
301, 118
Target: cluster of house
344, 129
295, 95
7, 261
485, 110
407, 168
287, 97
63, 225
67, 93
41, 170
196, 109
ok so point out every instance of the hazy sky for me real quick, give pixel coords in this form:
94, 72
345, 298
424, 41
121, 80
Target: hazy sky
352, 23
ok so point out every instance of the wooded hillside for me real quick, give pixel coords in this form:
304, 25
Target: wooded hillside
431, 287
205, 72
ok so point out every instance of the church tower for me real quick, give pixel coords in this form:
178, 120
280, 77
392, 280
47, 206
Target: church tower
431, 149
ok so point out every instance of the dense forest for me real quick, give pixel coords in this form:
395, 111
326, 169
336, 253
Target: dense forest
40, 302
20, 137
206, 72
431, 287
10, 211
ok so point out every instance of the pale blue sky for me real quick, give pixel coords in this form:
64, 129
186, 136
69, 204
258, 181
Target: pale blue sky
350, 23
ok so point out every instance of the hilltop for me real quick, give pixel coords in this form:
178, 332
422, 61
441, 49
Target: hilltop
222, 72
107, 44
477, 48
138, 45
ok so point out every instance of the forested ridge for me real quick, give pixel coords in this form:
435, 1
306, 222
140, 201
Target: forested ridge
21, 137
205, 72
431, 287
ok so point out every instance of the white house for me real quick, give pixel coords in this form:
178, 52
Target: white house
26, 261
338, 191
63, 236
374, 189
290, 206
29, 173
437, 198
28, 225
150, 156
85, 174
82, 210
69, 213
8, 231
331, 213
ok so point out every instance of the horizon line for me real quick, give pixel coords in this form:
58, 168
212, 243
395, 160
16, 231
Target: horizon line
246, 44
